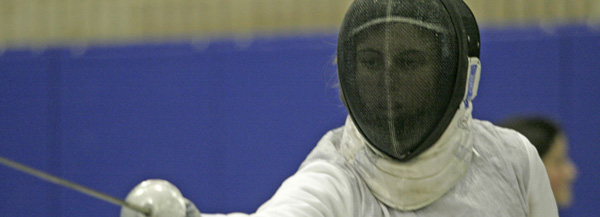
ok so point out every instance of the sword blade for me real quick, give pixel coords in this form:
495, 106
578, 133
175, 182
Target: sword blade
73, 186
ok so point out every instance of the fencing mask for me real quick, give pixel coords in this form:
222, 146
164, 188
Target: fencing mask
402, 66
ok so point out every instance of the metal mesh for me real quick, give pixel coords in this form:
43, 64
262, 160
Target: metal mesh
397, 69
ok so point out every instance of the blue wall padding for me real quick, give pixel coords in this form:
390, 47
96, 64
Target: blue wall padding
228, 121
519, 74
24, 135
582, 115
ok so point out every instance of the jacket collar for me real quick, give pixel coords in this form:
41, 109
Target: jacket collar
417, 183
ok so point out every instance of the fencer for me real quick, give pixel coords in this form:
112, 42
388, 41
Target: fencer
408, 72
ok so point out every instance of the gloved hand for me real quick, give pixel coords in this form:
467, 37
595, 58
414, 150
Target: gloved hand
162, 197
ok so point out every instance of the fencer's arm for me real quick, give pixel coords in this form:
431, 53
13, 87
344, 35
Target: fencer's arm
318, 189
539, 193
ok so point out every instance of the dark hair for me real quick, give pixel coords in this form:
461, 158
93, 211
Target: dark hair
540, 131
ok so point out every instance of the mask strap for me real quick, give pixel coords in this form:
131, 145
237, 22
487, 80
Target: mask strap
473, 75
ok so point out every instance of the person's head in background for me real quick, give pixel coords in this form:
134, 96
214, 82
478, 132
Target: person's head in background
552, 146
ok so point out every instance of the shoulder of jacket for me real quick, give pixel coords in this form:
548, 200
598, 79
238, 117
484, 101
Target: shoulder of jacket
327, 149
500, 142
508, 138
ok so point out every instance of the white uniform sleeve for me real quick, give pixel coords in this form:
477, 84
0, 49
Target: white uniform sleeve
318, 189
539, 193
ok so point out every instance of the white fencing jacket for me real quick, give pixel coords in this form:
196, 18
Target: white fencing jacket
476, 169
